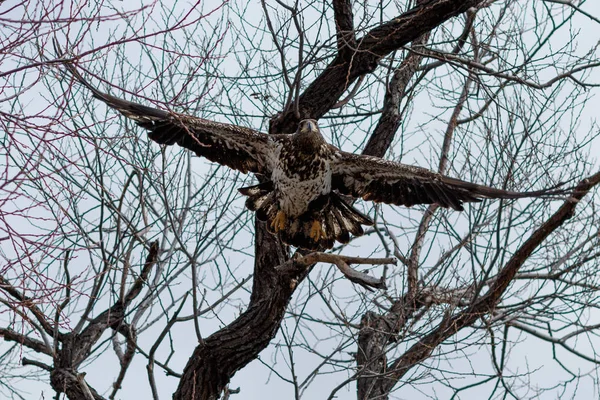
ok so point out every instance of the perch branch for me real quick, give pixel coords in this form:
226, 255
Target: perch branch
343, 263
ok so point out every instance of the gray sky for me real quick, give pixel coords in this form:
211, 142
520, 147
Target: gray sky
256, 380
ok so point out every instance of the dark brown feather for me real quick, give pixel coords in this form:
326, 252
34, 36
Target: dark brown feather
375, 179
236, 147
306, 156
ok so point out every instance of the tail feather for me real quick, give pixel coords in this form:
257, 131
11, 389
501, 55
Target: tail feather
258, 202
262, 199
350, 211
259, 196
334, 227
347, 224
337, 220
328, 231
317, 229
260, 189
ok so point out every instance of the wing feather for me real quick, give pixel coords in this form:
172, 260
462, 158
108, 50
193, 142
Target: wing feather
375, 179
234, 146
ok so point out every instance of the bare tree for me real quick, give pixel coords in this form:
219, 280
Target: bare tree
118, 254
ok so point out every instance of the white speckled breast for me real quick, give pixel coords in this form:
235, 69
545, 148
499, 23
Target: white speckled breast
300, 178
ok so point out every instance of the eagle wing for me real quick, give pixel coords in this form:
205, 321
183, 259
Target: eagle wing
379, 180
240, 148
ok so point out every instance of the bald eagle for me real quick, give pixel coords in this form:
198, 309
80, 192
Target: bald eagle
301, 197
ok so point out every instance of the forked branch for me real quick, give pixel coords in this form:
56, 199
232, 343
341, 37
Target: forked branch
343, 263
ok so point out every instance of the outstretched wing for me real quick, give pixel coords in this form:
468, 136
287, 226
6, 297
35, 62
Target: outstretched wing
375, 179
234, 146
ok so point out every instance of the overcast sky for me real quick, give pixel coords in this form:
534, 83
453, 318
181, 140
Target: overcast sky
256, 381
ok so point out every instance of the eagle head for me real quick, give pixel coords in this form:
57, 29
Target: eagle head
308, 129
308, 126
308, 138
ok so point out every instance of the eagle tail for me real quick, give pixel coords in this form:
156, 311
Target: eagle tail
319, 228
261, 198
329, 218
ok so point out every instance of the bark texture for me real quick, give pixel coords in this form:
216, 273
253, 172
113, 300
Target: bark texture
346, 67
378, 378
75, 347
214, 362
222, 354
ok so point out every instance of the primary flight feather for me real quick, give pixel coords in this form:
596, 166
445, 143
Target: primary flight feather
301, 199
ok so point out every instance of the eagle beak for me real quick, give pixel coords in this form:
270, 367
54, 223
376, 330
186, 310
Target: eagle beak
309, 125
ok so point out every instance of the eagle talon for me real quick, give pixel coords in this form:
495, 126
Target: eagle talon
315, 231
278, 223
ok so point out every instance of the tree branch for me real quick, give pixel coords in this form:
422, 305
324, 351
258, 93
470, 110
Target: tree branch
421, 350
344, 25
344, 69
33, 344
28, 303
73, 385
216, 360
391, 117
300, 264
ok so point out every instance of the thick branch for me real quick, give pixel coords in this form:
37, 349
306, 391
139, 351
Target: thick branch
222, 354
33, 344
391, 117
125, 360
151, 260
76, 348
35, 363
344, 25
228, 350
376, 331
300, 264
73, 385
423, 349
344, 69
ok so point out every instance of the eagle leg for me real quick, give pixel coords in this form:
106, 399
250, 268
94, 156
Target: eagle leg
316, 231
279, 222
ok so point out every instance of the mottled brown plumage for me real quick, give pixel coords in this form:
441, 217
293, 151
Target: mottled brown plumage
300, 201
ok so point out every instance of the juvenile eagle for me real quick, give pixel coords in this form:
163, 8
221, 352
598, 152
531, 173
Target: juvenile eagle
304, 175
